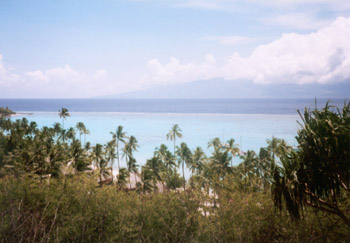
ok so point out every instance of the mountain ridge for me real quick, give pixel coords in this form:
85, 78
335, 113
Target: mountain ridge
227, 89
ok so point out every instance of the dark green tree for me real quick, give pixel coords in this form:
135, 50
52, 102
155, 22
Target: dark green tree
317, 173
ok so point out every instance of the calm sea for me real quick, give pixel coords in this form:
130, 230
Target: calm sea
249, 121
206, 106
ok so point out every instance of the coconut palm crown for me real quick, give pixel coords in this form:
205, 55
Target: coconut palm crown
174, 132
63, 113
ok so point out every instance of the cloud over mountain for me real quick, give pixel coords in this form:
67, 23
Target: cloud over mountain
319, 57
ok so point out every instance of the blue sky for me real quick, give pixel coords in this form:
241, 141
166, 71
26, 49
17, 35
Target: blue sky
95, 48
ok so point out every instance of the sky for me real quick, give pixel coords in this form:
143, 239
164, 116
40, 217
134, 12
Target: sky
85, 48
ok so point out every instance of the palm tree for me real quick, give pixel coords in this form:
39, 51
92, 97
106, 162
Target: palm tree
264, 169
162, 152
250, 164
184, 157
232, 148
215, 143
118, 136
78, 158
110, 152
87, 146
63, 113
220, 162
63, 135
32, 129
81, 128
154, 165
122, 178
174, 132
273, 147
86, 132
100, 162
283, 147
166, 159
97, 154
128, 150
57, 129
146, 180
133, 144
104, 170
206, 178
198, 160
71, 133
132, 168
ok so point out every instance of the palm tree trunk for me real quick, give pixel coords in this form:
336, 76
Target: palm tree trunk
126, 160
214, 199
183, 174
118, 156
135, 180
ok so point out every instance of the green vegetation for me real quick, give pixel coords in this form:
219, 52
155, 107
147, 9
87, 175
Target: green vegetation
4, 112
54, 188
318, 173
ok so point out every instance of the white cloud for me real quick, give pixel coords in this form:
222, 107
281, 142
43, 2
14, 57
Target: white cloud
56, 82
322, 56
175, 72
37, 77
230, 40
65, 73
100, 74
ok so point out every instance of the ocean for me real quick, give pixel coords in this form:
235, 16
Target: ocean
249, 121
195, 106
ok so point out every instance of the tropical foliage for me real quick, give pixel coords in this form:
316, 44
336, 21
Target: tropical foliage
317, 173
54, 188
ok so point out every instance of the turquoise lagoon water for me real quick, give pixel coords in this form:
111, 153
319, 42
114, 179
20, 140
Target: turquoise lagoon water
250, 131
249, 121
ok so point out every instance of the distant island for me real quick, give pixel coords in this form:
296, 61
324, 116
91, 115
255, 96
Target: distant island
4, 112
218, 88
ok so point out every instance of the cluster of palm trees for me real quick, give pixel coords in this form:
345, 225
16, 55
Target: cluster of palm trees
127, 146
255, 171
210, 172
26, 149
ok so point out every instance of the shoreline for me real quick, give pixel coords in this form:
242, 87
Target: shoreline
17, 114
22, 114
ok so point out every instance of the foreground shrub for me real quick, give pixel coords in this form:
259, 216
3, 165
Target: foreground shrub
77, 210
